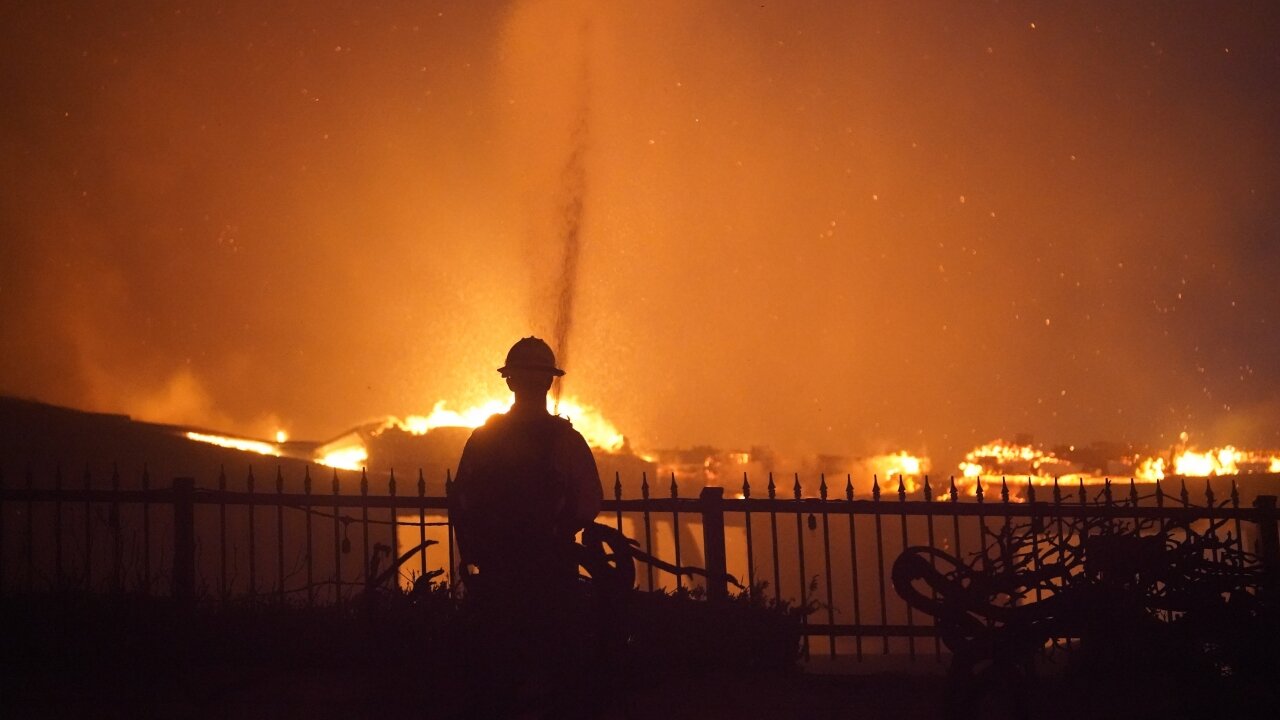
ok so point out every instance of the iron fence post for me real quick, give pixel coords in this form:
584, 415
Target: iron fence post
184, 540
1268, 543
3, 566
713, 541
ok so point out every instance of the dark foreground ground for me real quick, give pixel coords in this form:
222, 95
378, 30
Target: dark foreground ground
251, 691
67, 657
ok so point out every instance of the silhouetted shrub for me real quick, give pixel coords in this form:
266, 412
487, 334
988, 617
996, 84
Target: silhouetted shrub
748, 631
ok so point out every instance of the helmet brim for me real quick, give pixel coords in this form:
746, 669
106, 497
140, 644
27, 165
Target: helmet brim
506, 370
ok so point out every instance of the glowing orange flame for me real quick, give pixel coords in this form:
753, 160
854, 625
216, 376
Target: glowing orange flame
253, 446
351, 456
901, 466
1150, 470
351, 453
999, 451
1226, 460
598, 431
987, 464
1219, 461
440, 416
997, 460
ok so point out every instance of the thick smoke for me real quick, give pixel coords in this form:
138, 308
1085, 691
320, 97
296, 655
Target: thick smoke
826, 227
573, 190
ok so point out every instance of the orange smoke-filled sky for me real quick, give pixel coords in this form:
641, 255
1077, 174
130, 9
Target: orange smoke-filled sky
829, 227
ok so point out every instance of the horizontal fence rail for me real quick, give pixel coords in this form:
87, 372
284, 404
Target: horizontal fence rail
323, 542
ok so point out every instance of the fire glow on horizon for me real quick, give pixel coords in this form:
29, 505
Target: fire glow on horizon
988, 463
1043, 467
243, 444
598, 431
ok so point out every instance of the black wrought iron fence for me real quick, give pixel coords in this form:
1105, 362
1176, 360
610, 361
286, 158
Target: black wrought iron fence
327, 539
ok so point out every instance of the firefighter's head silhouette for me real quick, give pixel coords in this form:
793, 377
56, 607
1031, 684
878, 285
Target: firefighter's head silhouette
530, 368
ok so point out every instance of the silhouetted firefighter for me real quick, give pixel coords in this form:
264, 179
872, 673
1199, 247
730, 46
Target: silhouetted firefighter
527, 483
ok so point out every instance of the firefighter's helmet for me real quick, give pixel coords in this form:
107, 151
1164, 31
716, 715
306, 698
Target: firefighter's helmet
530, 353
